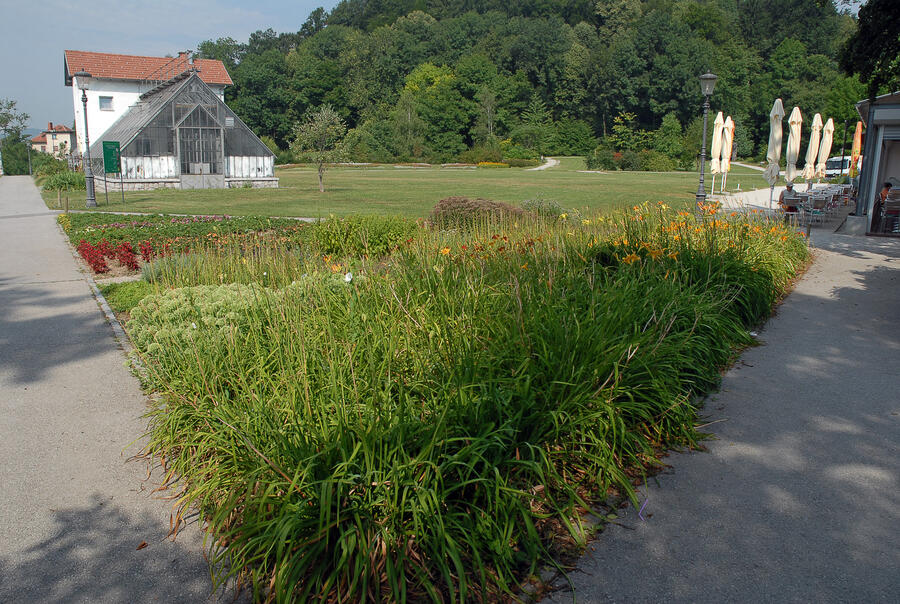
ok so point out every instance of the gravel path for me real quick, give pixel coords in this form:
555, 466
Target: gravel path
549, 162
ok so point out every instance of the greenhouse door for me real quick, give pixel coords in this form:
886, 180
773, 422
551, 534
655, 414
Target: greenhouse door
201, 155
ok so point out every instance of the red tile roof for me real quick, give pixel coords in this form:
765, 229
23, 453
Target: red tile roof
39, 139
59, 128
128, 67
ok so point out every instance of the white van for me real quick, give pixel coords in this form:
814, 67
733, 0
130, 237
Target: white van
836, 166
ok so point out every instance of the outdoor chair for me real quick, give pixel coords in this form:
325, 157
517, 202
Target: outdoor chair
813, 208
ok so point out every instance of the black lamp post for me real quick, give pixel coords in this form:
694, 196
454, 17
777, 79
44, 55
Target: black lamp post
707, 84
844, 144
83, 78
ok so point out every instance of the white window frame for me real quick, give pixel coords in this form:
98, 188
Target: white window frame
100, 103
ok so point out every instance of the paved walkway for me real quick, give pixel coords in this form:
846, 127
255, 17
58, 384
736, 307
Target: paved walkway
72, 511
798, 498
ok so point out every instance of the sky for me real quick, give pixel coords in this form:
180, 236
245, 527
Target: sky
34, 34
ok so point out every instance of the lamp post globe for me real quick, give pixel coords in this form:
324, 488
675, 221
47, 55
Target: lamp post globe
707, 85
83, 78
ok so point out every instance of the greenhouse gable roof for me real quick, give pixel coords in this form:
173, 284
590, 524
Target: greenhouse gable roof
126, 128
190, 93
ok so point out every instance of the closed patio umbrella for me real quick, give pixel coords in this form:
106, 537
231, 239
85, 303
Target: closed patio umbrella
815, 134
773, 155
715, 148
792, 153
825, 147
856, 149
727, 142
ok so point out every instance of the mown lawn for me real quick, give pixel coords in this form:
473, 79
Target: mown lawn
413, 192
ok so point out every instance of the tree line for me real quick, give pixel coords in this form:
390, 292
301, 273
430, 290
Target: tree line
442, 80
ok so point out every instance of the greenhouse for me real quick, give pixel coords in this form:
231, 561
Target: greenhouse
180, 135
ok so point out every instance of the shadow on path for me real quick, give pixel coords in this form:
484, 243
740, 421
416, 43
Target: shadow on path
77, 564
44, 326
798, 496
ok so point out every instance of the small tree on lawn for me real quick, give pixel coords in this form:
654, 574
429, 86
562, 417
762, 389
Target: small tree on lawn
320, 137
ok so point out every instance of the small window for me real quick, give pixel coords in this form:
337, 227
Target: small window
106, 103
229, 122
53, 136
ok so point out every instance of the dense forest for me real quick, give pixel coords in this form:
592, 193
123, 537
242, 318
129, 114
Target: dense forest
445, 80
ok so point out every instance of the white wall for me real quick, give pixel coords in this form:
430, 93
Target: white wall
891, 162
124, 95
150, 168
249, 167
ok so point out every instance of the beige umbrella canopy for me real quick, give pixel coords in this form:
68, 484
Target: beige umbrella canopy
809, 170
825, 147
773, 155
715, 148
792, 153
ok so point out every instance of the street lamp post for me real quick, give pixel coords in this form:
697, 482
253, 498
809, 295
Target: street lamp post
83, 78
707, 84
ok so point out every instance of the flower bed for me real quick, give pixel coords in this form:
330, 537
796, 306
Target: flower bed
433, 428
160, 235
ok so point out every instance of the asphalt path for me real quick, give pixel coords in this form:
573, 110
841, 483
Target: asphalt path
798, 497
74, 512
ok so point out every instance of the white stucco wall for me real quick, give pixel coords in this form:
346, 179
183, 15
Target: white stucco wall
124, 94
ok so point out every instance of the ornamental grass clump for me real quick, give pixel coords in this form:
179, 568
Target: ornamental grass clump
433, 430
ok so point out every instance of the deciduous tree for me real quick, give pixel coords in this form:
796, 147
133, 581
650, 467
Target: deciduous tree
320, 137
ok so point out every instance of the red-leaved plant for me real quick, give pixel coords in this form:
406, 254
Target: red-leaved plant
93, 256
147, 252
125, 254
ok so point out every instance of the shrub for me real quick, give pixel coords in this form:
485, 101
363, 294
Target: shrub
482, 153
602, 158
513, 162
573, 137
654, 161
459, 212
545, 208
492, 164
285, 157
513, 151
373, 236
64, 180
631, 160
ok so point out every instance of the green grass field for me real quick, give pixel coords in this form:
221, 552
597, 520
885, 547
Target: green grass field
414, 191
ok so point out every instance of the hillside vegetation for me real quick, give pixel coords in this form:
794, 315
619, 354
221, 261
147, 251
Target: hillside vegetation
479, 80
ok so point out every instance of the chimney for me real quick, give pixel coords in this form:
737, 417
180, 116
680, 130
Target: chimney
49, 125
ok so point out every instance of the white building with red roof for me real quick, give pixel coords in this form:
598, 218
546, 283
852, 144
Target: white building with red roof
118, 81
169, 119
57, 140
